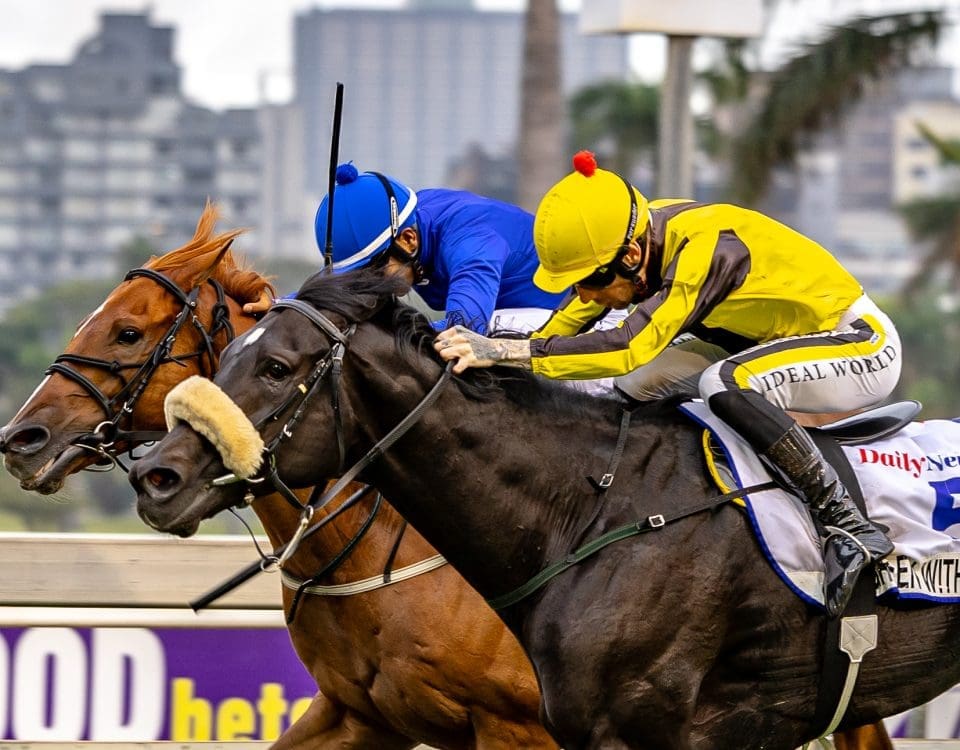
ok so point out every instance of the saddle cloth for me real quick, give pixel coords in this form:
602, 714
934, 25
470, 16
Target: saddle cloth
910, 483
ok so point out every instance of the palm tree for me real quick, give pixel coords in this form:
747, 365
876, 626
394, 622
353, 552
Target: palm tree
936, 221
541, 147
618, 120
813, 88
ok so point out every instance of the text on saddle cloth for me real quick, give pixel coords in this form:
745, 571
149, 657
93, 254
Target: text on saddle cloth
911, 484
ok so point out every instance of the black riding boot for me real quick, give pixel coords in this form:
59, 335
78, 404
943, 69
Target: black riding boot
854, 542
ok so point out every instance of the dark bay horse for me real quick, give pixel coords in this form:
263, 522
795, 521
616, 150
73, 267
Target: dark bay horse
423, 660
681, 638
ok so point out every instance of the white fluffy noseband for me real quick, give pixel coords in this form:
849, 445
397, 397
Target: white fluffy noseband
211, 412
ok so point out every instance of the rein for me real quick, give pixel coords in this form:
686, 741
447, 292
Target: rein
120, 406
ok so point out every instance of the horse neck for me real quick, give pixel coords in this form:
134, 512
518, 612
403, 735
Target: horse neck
498, 489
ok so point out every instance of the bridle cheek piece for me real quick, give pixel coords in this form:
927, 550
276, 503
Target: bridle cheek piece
331, 363
119, 407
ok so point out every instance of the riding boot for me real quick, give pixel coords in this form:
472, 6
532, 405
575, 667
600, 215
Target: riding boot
854, 542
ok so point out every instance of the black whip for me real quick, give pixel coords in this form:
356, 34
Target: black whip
334, 155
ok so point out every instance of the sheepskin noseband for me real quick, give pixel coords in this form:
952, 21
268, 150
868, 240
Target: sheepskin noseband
211, 412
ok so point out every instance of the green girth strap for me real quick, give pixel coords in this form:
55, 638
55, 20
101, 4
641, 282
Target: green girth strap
650, 523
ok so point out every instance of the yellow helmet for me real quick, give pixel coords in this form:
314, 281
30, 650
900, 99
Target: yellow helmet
582, 223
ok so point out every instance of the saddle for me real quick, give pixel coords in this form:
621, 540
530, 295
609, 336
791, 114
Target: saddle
870, 426
866, 427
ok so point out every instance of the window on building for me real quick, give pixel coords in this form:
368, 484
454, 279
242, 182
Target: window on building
48, 89
919, 173
38, 148
81, 149
163, 147
8, 235
80, 208
195, 175
162, 84
240, 148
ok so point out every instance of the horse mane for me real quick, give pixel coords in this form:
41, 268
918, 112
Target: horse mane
371, 295
207, 256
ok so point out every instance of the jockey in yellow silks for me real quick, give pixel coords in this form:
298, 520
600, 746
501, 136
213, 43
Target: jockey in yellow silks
778, 323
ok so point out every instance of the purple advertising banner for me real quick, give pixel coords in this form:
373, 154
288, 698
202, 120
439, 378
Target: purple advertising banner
146, 684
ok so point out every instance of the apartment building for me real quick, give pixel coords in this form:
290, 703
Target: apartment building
105, 148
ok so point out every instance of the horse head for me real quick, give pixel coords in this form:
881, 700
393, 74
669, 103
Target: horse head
168, 319
266, 379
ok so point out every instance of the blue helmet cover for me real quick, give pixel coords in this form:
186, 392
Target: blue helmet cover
361, 217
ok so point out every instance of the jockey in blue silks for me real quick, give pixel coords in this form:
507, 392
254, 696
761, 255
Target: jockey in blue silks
468, 255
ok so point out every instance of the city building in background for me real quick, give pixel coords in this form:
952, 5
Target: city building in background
106, 148
425, 83
847, 186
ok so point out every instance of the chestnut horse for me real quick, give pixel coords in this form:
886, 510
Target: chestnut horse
680, 638
422, 660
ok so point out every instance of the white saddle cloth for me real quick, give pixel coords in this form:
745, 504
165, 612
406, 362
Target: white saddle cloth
910, 483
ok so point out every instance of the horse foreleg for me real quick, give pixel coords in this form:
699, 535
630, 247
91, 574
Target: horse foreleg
870, 737
326, 725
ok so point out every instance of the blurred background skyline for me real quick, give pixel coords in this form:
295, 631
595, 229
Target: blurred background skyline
235, 54
225, 47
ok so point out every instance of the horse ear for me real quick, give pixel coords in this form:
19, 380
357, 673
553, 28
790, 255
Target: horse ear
211, 269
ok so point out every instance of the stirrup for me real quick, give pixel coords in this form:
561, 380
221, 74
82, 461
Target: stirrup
837, 531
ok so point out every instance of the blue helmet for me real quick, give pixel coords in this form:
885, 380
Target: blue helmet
369, 210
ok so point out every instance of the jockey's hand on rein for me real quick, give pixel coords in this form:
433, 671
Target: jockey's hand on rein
462, 344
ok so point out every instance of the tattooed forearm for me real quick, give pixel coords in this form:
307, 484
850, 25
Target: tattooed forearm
510, 352
469, 349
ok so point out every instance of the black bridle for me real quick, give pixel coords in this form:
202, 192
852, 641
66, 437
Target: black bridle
330, 363
119, 407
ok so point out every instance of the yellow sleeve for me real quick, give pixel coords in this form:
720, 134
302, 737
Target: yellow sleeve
570, 318
645, 332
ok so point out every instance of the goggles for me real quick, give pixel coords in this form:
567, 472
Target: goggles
603, 276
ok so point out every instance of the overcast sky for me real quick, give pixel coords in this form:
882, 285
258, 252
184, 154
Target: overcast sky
223, 46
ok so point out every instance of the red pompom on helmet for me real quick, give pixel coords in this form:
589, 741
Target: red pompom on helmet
585, 163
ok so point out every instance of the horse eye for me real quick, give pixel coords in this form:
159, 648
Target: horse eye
129, 336
276, 370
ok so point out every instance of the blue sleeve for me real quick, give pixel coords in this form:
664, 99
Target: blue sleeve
474, 260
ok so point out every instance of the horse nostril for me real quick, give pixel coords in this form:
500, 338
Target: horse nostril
24, 440
161, 479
